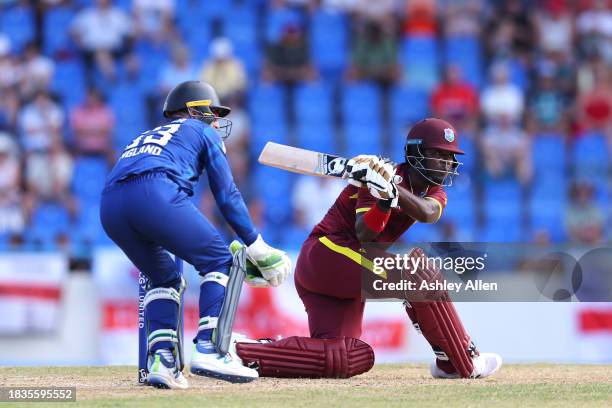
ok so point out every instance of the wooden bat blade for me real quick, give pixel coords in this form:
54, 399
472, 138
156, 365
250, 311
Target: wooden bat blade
302, 161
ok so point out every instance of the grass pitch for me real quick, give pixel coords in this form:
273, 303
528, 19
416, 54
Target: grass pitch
385, 386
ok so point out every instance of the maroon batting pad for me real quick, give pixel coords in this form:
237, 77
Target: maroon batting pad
440, 324
306, 357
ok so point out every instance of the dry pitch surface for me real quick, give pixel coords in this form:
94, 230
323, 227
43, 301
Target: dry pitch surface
385, 386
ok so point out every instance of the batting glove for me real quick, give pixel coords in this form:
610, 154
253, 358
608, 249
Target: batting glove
273, 264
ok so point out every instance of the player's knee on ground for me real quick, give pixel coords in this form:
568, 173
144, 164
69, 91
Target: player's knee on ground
305, 357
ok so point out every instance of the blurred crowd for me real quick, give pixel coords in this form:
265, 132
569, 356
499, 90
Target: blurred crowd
527, 84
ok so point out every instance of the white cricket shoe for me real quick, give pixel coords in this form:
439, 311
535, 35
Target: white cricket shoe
207, 362
163, 371
485, 365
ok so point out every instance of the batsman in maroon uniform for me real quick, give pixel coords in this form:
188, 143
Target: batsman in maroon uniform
377, 207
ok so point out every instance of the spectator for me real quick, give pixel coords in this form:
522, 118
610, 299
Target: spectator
9, 107
11, 214
594, 26
10, 74
179, 69
153, 19
223, 71
288, 60
102, 33
374, 55
547, 104
309, 211
584, 220
93, 123
555, 29
595, 104
421, 18
462, 19
502, 98
505, 146
40, 122
510, 30
36, 71
380, 10
456, 100
48, 175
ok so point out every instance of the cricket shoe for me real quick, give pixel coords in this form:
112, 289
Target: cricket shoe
485, 365
205, 361
163, 371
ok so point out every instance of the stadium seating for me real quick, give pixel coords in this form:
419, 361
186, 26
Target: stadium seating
591, 156
329, 42
68, 82
360, 104
17, 23
466, 53
55, 36
240, 26
420, 59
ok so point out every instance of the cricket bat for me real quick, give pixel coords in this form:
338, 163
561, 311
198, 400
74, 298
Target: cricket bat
305, 161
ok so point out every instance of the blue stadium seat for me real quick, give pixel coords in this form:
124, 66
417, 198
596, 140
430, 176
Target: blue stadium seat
317, 136
89, 228
314, 103
591, 155
409, 105
362, 139
420, 232
89, 176
461, 205
276, 196
419, 57
55, 35
240, 27
548, 155
507, 231
198, 37
552, 187
279, 18
267, 132
466, 53
329, 42
48, 220
502, 208
17, 23
547, 215
152, 58
471, 156
267, 107
359, 103
69, 82
128, 104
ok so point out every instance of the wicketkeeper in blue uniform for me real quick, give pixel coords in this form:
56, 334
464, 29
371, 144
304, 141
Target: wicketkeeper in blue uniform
147, 212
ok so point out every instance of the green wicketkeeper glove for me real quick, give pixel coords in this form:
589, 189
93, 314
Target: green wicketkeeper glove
253, 276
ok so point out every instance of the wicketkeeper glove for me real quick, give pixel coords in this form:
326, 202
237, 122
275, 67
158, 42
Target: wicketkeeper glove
254, 278
273, 264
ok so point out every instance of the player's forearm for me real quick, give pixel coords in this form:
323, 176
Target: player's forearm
421, 209
369, 225
236, 213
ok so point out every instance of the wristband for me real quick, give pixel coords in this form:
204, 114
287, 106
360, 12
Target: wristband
376, 219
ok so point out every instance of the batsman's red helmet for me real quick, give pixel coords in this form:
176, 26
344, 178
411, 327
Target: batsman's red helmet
432, 133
